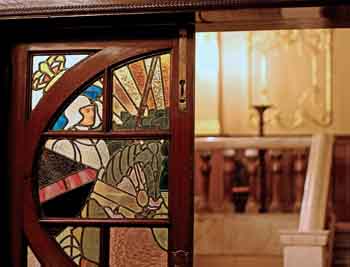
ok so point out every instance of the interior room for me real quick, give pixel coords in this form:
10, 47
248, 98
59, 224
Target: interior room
297, 80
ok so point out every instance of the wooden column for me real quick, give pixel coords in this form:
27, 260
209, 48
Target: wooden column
299, 173
252, 165
205, 181
275, 179
229, 169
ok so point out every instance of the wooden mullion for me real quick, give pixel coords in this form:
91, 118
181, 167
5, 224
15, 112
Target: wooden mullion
105, 102
109, 99
149, 223
118, 135
104, 246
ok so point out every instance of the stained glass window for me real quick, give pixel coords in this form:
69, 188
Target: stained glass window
81, 244
138, 247
32, 261
100, 178
141, 94
47, 70
85, 113
99, 175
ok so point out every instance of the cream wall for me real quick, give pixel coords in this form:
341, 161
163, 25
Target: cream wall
207, 83
289, 76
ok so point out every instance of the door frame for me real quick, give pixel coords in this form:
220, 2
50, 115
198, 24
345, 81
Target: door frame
17, 125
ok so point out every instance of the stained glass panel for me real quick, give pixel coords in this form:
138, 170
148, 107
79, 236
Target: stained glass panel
32, 261
100, 178
81, 244
138, 247
141, 94
47, 70
85, 112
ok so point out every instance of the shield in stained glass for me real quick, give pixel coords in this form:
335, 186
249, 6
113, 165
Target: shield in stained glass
47, 70
85, 112
141, 94
100, 178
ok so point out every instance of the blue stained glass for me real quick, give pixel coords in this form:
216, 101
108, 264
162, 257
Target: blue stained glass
93, 92
60, 123
93, 95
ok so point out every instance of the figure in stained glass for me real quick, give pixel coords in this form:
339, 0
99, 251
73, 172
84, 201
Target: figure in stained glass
85, 112
128, 175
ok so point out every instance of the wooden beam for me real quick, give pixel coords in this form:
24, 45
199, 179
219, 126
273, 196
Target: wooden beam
17, 9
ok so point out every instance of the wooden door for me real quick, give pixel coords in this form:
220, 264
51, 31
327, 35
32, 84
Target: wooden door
103, 151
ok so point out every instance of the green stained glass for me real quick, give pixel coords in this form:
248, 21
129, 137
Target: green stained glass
138, 247
81, 244
47, 70
141, 94
85, 112
98, 178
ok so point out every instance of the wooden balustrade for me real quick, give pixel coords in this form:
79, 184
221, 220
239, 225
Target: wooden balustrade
205, 170
240, 183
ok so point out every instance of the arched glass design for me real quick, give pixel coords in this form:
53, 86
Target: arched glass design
90, 170
47, 70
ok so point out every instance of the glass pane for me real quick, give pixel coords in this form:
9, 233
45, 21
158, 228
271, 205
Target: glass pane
32, 261
138, 247
141, 94
81, 244
98, 178
85, 112
47, 70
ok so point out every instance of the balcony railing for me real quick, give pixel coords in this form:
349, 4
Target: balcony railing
229, 171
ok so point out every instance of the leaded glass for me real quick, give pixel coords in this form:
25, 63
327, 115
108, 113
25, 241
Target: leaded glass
47, 70
141, 94
32, 261
104, 178
85, 112
81, 244
138, 247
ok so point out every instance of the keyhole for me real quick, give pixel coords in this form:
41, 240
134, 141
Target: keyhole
182, 90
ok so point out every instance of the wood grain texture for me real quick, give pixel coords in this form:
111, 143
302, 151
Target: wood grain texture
341, 178
23, 8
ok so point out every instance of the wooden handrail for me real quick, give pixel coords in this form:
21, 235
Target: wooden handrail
316, 189
210, 143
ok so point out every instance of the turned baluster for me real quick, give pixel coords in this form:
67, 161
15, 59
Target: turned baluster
229, 169
252, 165
299, 170
275, 179
205, 170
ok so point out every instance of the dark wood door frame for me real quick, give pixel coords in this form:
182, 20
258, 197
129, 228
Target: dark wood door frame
17, 197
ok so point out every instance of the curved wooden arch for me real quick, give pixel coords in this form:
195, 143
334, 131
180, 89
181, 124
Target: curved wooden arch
41, 116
